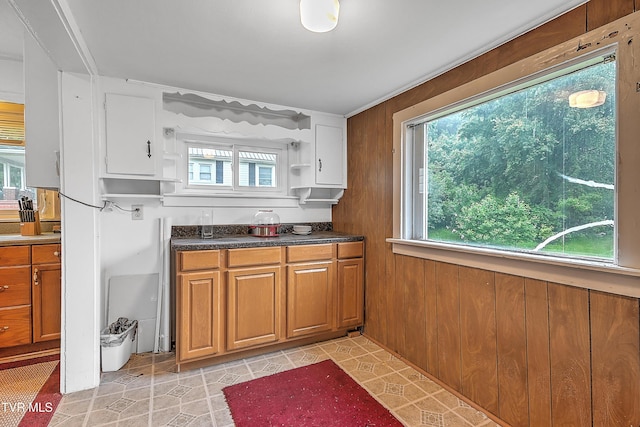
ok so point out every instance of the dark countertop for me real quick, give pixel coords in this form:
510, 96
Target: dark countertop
248, 241
18, 239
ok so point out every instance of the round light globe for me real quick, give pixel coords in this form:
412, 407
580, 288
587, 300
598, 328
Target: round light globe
319, 16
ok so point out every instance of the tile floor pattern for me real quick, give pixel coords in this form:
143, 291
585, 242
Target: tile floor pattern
149, 392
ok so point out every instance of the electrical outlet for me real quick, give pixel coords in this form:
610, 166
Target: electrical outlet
136, 212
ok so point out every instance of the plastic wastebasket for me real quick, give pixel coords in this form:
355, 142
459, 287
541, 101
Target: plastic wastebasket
116, 348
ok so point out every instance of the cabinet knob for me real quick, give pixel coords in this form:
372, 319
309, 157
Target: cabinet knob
56, 253
4, 288
35, 276
4, 329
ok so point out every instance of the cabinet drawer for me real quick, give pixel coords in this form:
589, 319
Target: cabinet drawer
350, 250
198, 260
15, 286
46, 254
309, 252
15, 326
254, 256
14, 255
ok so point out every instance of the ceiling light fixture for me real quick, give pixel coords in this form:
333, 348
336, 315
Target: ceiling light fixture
319, 16
587, 98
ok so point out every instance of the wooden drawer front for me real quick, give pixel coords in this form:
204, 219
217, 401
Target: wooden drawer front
309, 253
15, 286
46, 254
254, 256
14, 255
350, 250
198, 260
15, 326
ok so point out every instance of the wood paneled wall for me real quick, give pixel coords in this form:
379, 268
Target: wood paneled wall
531, 352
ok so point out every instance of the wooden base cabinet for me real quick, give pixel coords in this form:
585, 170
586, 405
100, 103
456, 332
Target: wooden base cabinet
310, 298
232, 302
254, 296
200, 322
350, 284
15, 296
30, 294
46, 292
199, 308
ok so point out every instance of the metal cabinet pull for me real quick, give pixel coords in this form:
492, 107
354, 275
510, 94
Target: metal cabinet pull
35, 276
149, 149
4, 329
320, 165
4, 288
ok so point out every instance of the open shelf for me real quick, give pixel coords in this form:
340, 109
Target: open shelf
295, 166
318, 195
109, 196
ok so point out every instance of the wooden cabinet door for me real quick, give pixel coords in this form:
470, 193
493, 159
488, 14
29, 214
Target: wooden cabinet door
199, 316
310, 298
46, 301
254, 304
350, 292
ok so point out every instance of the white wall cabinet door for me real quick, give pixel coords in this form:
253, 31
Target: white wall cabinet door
329, 155
42, 117
130, 137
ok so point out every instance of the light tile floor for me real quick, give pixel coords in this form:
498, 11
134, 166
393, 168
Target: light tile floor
149, 392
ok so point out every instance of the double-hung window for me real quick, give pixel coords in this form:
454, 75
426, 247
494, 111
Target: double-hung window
230, 167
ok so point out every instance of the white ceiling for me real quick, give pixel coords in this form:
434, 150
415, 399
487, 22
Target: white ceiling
258, 50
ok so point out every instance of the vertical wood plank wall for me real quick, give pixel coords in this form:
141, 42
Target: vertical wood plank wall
533, 353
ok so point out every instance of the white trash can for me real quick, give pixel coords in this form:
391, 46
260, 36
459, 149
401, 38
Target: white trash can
116, 349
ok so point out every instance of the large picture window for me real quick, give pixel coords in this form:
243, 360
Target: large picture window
528, 169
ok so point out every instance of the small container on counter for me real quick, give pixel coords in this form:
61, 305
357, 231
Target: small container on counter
266, 223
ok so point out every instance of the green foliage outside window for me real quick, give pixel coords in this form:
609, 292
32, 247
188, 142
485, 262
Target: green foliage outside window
518, 169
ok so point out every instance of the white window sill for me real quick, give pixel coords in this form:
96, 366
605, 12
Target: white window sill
600, 276
229, 200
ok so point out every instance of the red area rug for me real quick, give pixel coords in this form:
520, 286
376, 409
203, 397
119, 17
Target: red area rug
40, 410
321, 394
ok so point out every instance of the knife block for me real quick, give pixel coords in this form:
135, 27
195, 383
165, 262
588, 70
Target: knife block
31, 228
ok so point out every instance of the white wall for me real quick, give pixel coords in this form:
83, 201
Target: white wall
11, 81
99, 245
129, 247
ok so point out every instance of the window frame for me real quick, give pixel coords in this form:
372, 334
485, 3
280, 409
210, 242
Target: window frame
412, 128
583, 273
234, 145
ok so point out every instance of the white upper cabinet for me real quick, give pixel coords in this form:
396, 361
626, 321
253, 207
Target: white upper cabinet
329, 155
42, 117
318, 171
131, 147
